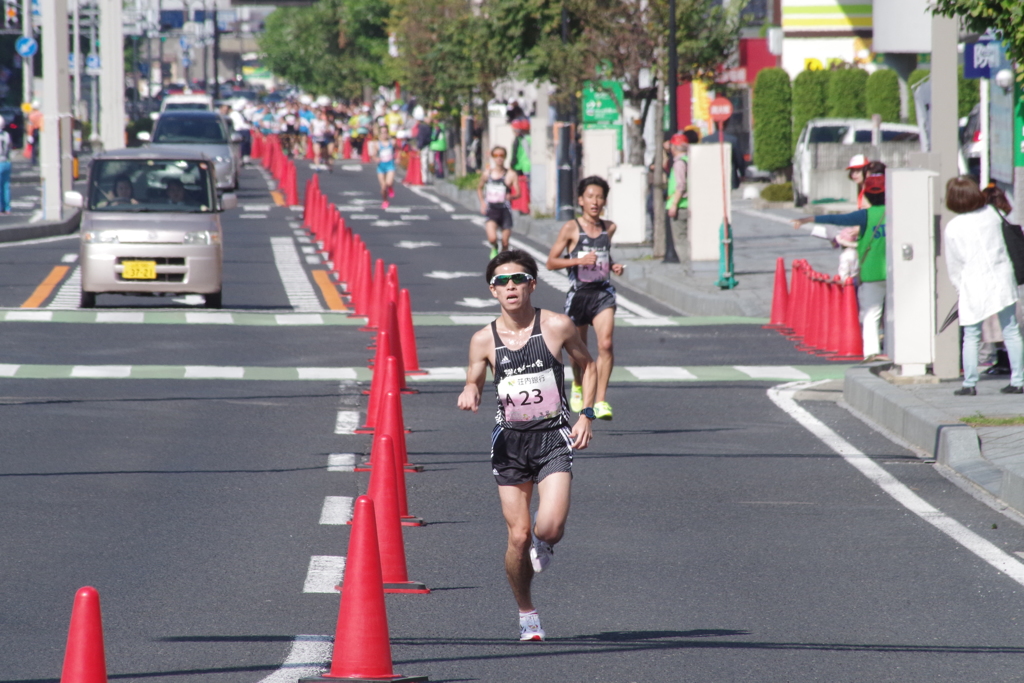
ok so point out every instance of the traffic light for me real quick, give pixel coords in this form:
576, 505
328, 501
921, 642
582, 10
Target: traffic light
12, 17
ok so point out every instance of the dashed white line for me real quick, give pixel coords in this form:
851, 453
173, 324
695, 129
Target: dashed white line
29, 316
308, 319
347, 422
772, 372
659, 372
213, 372
70, 293
336, 510
430, 196
327, 373
102, 317
8, 370
309, 656
341, 462
102, 371
198, 318
296, 283
324, 573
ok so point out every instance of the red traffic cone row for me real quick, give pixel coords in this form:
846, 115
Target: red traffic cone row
365, 156
414, 174
346, 149
374, 310
391, 425
362, 644
309, 149
377, 388
396, 347
84, 660
360, 293
794, 311
407, 335
383, 489
851, 342
780, 298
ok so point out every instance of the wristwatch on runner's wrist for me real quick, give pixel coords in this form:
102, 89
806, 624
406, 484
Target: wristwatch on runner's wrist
588, 413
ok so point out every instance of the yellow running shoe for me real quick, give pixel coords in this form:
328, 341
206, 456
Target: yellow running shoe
576, 398
602, 410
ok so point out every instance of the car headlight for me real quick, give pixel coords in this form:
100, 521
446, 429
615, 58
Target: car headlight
100, 237
202, 237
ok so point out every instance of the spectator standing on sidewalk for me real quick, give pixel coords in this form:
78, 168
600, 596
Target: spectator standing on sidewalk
677, 203
871, 255
439, 145
980, 270
520, 159
5, 168
424, 133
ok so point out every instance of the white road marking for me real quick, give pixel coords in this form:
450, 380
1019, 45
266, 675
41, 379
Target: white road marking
409, 244
253, 215
347, 422
69, 258
363, 217
41, 240
213, 372
471, 319
313, 260
351, 167
324, 574
209, 318
327, 373
255, 208
310, 656
70, 293
458, 374
36, 316
754, 213
353, 193
415, 217
341, 462
190, 300
103, 317
102, 371
659, 372
8, 370
431, 197
388, 224
308, 250
473, 302
307, 319
450, 275
336, 510
397, 209
772, 372
296, 283
782, 396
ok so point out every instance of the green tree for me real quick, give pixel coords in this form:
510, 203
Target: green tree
772, 108
882, 95
810, 99
332, 47
1004, 16
846, 94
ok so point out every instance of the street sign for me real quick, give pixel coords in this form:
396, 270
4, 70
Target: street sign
721, 110
602, 106
26, 46
981, 58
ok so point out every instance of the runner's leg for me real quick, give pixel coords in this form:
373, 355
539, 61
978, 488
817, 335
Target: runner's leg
577, 371
604, 327
383, 186
553, 508
389, 182
505, 235
515, 506
492, 233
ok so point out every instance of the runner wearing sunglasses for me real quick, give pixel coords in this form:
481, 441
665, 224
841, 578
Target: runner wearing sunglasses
532, 442
498, 186
583, 246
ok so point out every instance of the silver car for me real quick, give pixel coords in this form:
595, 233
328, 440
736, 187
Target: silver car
205, 131
150, 225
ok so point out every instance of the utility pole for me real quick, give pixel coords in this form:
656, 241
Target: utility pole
28, 71
673, 108
216, 53
563, 159
112, 78
55, 139
76, 53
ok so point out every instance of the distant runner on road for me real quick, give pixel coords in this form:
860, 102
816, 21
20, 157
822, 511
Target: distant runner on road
382, 150
583, 246
532, 441
496, 184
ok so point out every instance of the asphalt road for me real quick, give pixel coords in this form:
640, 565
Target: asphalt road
712, 538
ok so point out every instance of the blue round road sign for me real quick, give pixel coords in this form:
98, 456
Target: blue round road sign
26, 46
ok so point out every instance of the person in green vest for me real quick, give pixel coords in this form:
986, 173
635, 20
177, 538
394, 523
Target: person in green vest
871, 255
439, 145
677, 203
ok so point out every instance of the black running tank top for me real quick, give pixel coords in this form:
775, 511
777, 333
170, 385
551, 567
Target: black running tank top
599, 273
529, 383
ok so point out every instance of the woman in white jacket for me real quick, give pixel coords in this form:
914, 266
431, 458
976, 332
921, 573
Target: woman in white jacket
980, 269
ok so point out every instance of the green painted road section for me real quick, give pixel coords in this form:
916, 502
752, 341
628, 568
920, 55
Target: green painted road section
631, 374
266, 319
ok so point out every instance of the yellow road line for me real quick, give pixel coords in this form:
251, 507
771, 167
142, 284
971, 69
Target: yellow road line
330, 291
46, 287
278, 197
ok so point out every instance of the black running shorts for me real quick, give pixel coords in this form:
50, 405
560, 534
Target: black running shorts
518, 457
582, 305
501, 215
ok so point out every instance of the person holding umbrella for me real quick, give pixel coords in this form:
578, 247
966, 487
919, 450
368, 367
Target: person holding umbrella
980, 270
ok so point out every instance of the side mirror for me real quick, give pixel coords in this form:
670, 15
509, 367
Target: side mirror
228, 201
236, 137
73, 199
143, 136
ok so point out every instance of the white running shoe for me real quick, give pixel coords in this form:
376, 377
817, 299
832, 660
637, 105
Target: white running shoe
529, 627
541, 555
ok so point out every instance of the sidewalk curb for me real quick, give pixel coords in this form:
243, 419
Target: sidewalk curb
31, 231
952, 443
663, 282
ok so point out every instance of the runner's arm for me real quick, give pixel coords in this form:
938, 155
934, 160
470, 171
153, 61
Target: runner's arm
564, 330
480, 347
617, 268
480, 191
563, 243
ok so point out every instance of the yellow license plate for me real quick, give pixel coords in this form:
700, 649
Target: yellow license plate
139, 270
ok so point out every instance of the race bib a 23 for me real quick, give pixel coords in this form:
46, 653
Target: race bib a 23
528, 397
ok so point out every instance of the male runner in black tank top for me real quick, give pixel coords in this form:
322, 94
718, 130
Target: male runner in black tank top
498, 186
532, 440
583, 246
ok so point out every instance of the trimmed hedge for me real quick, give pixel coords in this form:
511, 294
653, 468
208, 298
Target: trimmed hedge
772, 109
882, 95
810, 99
846, 94
778, 192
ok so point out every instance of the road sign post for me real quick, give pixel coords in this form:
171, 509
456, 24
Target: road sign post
721, 110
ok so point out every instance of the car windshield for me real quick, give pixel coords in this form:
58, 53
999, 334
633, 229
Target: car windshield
187, 106
827, 133
141, 185
177, 130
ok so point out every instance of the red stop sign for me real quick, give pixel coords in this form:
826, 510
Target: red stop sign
721, 110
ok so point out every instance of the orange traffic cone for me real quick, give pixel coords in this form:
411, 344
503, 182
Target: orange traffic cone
851, 342
414, 174
84, 661
362, 644
780, 298
407, 335
383, 490
365, 156
374, 296
346, 149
